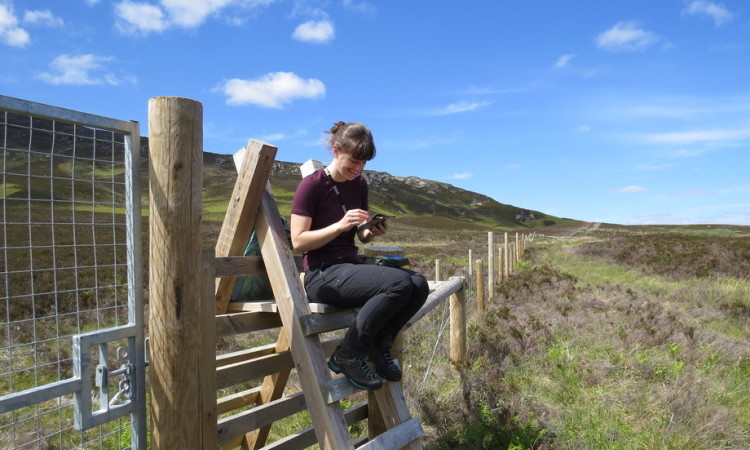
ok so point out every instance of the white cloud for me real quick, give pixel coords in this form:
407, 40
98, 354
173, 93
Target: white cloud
191, 13
10, 33
42, 17
314, 31
362, 7
85, 69
564, 60
273, 90
625, 36
461, 176
133, 18
629, 189
457, 108
716, 11
145, 17
700, 137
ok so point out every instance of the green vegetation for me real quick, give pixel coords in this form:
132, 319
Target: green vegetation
601, 342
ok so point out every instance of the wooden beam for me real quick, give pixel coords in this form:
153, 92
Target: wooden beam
239, 424
238, 323
404, 435
243, 211
177, 331
330, 426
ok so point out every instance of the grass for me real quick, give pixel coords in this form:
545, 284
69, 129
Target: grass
578, 351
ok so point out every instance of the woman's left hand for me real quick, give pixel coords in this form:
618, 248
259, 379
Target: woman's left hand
379, 229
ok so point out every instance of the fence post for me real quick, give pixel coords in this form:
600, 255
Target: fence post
505, 257
458, 324
480, 285
437, 270
490, 262
179, 369
500, 265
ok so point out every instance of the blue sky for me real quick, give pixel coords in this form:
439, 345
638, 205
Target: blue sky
630, 112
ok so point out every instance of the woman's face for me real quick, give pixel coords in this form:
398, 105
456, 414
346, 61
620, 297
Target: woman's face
348, 166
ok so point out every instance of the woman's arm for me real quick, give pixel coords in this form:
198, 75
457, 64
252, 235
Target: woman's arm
304, 239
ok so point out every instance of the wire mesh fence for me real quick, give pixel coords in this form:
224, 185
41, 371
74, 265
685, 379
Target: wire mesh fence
64, 253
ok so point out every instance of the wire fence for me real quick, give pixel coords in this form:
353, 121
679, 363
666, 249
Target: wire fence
63, 270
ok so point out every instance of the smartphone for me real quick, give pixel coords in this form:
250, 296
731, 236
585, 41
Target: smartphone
374, 220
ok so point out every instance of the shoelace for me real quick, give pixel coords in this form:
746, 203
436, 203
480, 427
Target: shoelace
389, 360
362, 363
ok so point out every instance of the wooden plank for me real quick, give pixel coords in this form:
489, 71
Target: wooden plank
246, 371
394, 410
306, 437
256, 306
313, 324
238, 266
238, 424
242, 211
237, 400
272, 389
245, 355
330, 426
405, 435
238, 323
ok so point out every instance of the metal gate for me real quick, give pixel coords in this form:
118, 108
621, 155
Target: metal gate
72, 348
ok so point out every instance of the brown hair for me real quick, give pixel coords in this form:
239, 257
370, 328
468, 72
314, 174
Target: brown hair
354, 139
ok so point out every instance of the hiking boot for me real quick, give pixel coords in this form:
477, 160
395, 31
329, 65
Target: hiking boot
356, 370
385, 365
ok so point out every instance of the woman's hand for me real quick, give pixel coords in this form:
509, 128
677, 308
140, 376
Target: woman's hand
352, 218
366, 236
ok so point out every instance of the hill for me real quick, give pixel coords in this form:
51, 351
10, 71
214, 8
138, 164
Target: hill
411, 200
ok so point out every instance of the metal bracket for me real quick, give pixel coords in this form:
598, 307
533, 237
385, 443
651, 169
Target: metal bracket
122, 403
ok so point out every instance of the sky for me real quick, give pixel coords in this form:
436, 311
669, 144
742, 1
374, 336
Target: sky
627, 112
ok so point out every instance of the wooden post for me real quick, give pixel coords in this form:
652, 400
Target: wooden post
518, 248
490, 262
437, 270
458, 325
480, 285
179, 370
470, 264
500, 265
505, 256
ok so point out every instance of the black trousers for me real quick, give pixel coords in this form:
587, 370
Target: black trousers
388, 297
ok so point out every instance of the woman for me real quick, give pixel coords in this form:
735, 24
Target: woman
328, 206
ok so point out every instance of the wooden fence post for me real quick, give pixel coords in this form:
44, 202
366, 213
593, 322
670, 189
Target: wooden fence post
505, 256
500, 265
437, 270
480, 285
179, 370
458, 325
490, 261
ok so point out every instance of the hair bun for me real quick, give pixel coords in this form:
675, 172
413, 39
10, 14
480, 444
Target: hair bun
337, 126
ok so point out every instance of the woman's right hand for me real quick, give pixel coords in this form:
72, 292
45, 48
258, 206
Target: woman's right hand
352, 218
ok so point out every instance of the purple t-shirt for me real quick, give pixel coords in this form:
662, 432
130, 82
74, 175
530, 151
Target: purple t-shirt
316, 198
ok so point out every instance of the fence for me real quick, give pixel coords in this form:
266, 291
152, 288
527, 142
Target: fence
72, 353
71, 312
